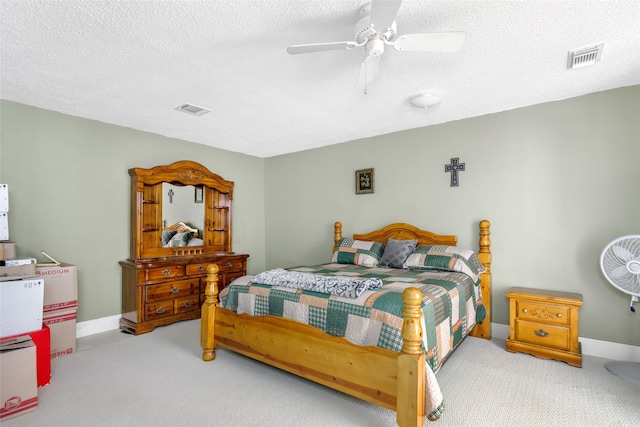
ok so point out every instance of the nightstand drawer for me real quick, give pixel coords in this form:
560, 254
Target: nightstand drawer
544, 335
545, 313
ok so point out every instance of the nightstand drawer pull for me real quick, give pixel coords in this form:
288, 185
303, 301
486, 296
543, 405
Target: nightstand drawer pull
166, 272
229, 265
201, 268
174, 290
559, 315
541, 333
160, 310
525, 310
187, 304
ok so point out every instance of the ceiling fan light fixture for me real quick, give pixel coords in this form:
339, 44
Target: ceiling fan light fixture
425, 100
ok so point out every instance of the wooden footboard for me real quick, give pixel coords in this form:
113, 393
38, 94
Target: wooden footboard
399, 382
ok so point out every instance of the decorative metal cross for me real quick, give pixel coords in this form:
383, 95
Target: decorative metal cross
170, 194
454, 167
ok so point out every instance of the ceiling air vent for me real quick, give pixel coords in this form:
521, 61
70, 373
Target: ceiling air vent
585, 56
192, 109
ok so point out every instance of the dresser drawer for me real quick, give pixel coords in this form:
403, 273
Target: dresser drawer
200, 268
158, 310
230, 265
189, 303
165, 272
543, 334
175, 289
544, 313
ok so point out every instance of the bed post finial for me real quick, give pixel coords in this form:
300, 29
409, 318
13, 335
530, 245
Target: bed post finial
337, 235
208, 314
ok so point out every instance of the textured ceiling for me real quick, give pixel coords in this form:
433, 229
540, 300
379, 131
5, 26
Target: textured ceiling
131, 63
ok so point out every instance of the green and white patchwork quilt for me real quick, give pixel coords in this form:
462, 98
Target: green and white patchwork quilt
451, 305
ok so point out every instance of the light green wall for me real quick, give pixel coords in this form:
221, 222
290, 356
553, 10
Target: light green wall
558, 181
69, 194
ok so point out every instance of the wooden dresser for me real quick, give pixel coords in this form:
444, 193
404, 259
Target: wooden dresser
162, 283
545, 324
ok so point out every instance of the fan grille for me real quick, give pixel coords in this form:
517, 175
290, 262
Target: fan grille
620, 263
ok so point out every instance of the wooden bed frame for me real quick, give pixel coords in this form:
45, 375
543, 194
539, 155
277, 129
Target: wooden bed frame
399, 382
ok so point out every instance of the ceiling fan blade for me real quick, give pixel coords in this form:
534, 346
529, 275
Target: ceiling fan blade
431, 42
368, 71
383, 13
319, 47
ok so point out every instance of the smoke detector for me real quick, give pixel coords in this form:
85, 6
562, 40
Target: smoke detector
585, 56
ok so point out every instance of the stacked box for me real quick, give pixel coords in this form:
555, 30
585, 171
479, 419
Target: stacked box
60, 306
18, 373
4, 212
8, 250
42, 339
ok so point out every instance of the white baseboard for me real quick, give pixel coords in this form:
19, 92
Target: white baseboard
590, 346
96, 326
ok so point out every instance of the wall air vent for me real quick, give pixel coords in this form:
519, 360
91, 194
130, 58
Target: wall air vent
585, 56
192, 109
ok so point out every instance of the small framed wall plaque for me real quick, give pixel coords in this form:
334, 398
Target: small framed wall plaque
199, 195
364, 181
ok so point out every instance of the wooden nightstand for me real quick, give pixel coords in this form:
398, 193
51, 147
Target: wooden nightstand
545, 324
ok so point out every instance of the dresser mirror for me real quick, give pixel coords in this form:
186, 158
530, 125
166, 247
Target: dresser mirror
182, 204
179, 209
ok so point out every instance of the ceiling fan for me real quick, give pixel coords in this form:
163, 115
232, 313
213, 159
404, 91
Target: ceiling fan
377, 28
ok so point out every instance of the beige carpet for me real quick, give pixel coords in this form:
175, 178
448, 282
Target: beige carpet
158, 379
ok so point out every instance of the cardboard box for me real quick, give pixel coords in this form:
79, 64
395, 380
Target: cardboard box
42, 340
4, 198
18, 384
60, 287
13, 272
4, 226
8, 250
21, 304
63, 332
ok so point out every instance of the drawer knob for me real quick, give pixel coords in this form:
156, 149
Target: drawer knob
174, 290
201, 268
541, 333
166, 272
229, 265
187, 304
559, 315
524, 310
160, 310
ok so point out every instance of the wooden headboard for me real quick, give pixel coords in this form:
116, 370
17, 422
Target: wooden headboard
399, 231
